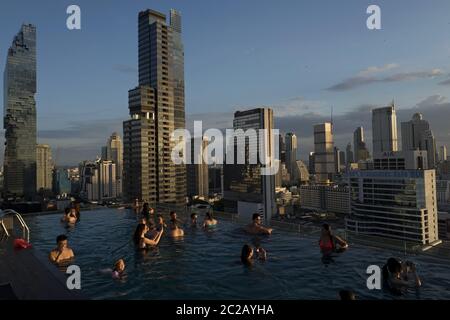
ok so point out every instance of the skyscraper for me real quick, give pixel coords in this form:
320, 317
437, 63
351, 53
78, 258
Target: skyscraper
20, 115
349, 154
44, 167
442, 153
114, 152
197, 171
243, 183
291, 153
337, 160
156, 109
417, 135
324, 152
361, 152
384, 130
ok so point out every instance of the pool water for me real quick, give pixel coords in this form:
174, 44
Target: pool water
206, 264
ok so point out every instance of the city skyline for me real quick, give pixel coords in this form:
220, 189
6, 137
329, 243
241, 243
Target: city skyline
304, 96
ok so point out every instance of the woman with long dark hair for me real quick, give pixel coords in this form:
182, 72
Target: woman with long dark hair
141, 241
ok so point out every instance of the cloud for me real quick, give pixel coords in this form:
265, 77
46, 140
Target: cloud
367, 77
375, 69
445, 82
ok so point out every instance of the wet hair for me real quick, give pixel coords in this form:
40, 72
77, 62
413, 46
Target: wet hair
209, 215
347, 295
116, 265
61, 237
245, 252
67, 210
193, 215
256, 216
137, 234
394, 266
172, 212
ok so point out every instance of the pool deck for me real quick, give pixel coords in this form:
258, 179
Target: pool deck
31, 276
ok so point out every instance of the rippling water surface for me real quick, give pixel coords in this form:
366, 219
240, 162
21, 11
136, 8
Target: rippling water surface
206, 265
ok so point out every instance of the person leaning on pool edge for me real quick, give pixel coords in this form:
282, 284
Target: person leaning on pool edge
328, 241
256, 226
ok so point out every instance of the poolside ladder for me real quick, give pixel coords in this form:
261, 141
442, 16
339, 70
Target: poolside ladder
18, 216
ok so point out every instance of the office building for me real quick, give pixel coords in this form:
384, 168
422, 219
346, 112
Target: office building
399, 205
61, 182
325, 198
156, 109
197, 170
361, 153
44, 167
113, 151
416, 135
384, 130
291, 153
20, 116
324, 153
349, 155
401, 160
442, 153
246, 190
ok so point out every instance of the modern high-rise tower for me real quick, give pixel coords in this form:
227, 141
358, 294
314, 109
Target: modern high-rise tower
417, 135
384, 130
361, 152
44, 167
20, 115
291, 153
114, 152
324, 152
156, 109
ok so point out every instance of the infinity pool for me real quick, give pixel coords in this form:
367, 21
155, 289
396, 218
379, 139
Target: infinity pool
206, 264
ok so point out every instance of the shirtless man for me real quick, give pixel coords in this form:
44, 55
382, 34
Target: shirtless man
175, 230
62, 253
256, 226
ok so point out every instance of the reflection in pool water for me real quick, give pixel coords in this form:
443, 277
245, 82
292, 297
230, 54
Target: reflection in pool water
206, 264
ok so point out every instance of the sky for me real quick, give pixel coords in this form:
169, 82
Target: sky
300, 58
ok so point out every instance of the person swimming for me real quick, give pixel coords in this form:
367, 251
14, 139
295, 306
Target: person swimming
70, 216
62, 253
397, 276
141, 241
256, 226
328, 241
118, 272
174, 225
209, 221
248, 253
194, 220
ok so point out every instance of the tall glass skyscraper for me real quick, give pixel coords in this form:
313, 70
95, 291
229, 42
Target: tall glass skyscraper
20, 115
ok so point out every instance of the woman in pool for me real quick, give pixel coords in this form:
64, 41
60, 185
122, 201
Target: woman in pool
175, 230
142, 241
329, 242
209, 221
118, 271
247, 254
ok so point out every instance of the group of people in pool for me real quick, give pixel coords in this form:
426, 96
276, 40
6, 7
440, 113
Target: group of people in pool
151, 227
397, 275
